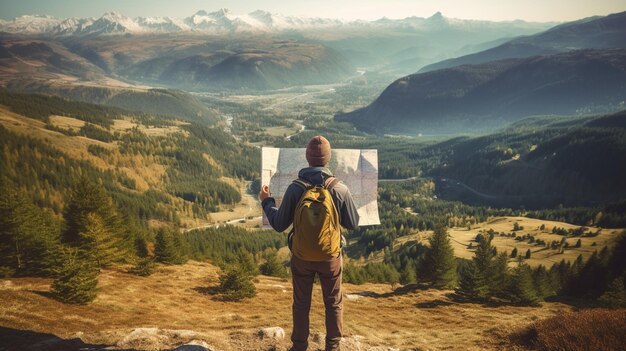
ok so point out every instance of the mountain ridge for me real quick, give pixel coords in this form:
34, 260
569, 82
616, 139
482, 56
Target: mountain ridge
484, 96
592, 32
113, 23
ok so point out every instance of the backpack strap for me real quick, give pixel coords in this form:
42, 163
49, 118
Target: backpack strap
330, 183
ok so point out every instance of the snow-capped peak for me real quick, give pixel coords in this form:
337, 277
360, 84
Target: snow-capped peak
30, 24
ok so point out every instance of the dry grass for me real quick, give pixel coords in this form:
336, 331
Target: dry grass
70, 123
75, 147
124, 125
173, 298
588, 330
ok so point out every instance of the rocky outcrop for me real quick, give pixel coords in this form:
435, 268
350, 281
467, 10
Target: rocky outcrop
160, 339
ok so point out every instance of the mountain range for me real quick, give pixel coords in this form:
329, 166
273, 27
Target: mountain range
224, 21
575, 68
222, 50
593, 32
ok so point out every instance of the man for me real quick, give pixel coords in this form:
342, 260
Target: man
306, 262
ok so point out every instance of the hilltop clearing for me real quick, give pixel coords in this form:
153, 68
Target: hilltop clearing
173, 299
564, 247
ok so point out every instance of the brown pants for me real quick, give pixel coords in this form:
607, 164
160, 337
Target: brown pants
303, 273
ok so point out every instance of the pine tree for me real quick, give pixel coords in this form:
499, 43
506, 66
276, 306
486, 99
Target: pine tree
615, 295
514, 252
272, 266
439, 260
28, 235
483, 256
409, 273
236, 284
77, 280
483, 261
88, 197
141, 247
392, 276
527, 255
98, 243
164, 249
541, 279
578, 243
247, 263
522, 290
182, 247
143, 268
472, 284
498, 278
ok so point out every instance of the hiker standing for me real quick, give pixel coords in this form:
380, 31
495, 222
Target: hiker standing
317, 204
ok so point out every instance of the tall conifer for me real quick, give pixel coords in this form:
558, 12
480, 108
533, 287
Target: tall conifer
472, 285
522, 289
439, 260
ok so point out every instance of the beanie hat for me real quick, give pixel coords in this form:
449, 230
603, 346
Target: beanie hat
318, 151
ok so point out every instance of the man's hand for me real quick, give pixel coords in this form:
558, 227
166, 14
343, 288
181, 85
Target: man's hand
265, 193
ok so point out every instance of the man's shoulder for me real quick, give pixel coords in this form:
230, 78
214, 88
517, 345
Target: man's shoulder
340, 187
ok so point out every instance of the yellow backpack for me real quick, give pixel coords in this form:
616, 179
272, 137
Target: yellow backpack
316, 233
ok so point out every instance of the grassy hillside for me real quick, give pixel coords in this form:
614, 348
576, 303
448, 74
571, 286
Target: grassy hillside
557, 246
156, 169
160, 102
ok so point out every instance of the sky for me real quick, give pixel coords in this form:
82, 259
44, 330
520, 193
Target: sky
494, 10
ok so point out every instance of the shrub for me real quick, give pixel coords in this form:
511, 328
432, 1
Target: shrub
6, 272
236, 285
272, 266
143, 268
77, 282
596, 329
615, 295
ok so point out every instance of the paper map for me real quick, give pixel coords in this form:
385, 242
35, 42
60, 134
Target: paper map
358, 169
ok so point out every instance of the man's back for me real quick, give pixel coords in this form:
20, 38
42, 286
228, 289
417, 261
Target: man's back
303, 271
280, 220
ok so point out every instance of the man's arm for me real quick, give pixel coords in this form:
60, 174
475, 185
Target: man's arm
281, 218
348, 215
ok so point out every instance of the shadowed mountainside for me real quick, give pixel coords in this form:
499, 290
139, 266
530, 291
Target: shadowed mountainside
489, 95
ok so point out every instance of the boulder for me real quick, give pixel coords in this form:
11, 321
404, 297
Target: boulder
272, 332
195, 345
159, 339
143, 338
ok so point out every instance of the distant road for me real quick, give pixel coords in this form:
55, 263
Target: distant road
217, 225
302, 127
454, 182
397, 180
232, 221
